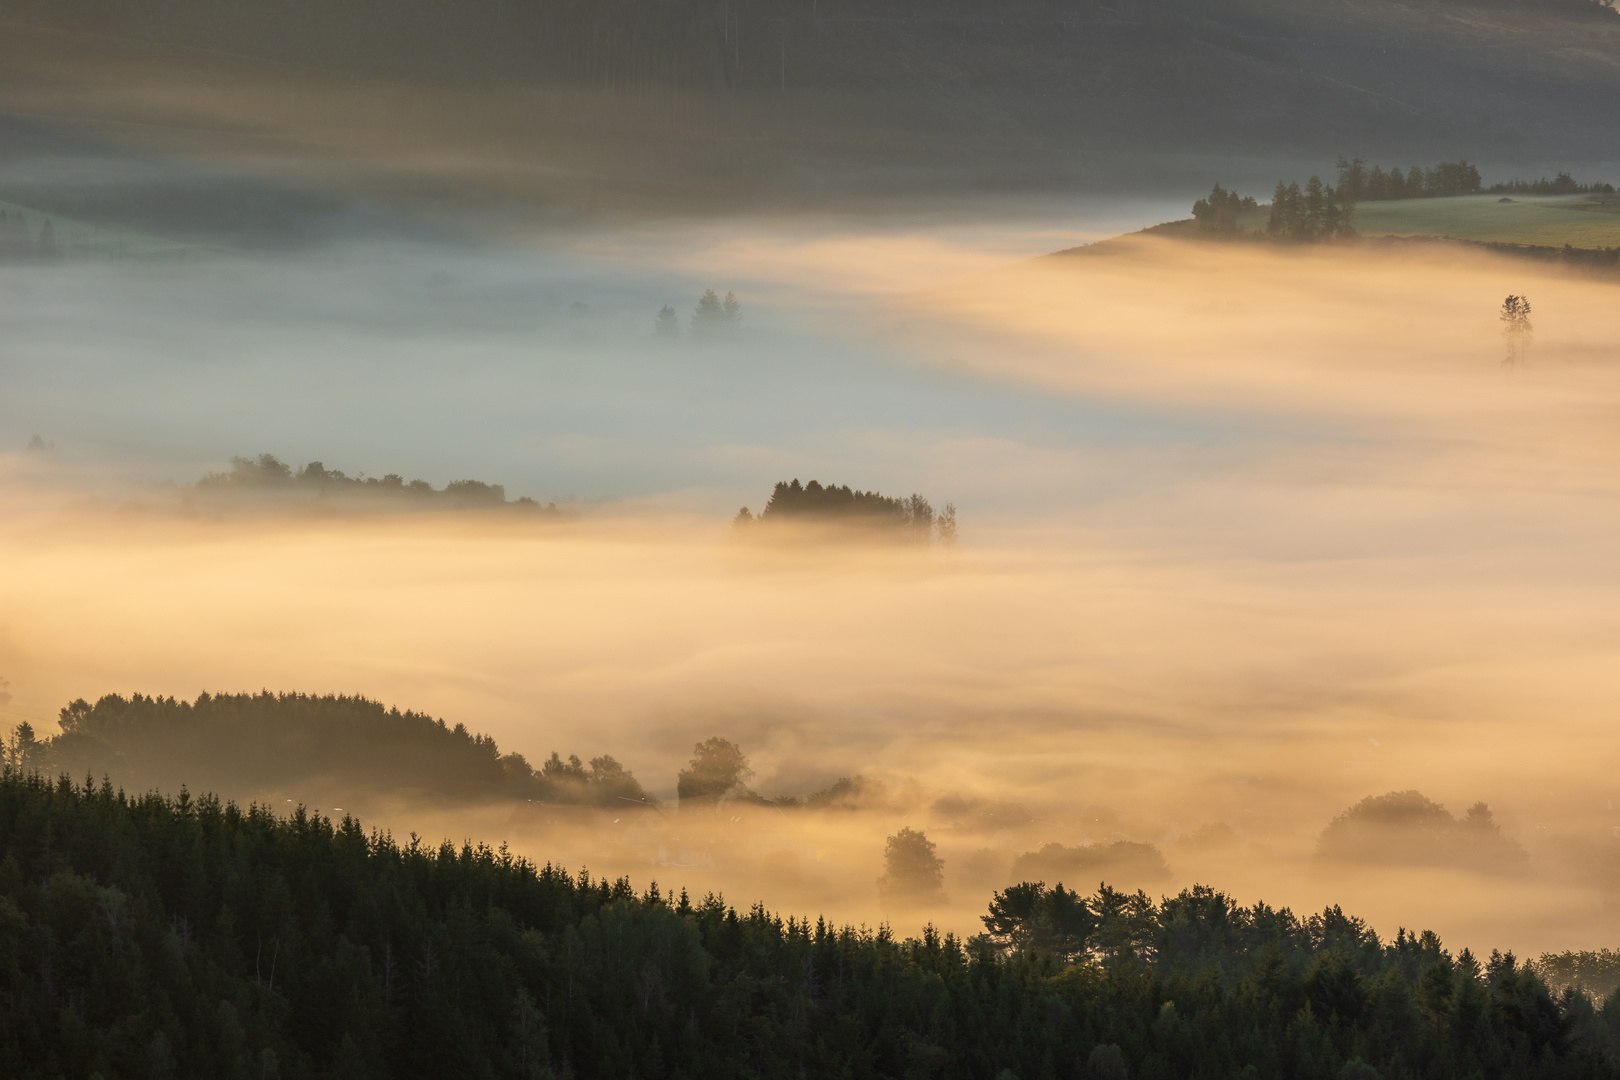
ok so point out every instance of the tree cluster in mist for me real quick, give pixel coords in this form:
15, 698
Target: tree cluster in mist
20, 243
158, 936
1405, 829
911, 518
713, 317
266, 474
718, 774
1593, 972
248, 744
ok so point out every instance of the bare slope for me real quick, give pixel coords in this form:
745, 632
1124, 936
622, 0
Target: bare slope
717, 103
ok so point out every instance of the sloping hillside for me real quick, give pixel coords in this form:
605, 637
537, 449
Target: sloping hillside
708, 102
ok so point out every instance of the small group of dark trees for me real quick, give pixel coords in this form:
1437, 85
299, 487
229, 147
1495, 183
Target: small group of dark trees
1222, 211
266, 473
713, 316
185, 937
1315, 212
246, 744
18, 243
911, 518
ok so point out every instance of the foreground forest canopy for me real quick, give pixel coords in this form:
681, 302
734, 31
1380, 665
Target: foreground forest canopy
185, 937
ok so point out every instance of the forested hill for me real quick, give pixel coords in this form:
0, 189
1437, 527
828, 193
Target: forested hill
185, 938
722, 100
304, 744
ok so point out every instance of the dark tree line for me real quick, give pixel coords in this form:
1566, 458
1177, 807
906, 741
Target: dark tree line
1358, 184
1321, 211
912, 517
267, 473
1315, 212
185, 937
302, 742
1562, 184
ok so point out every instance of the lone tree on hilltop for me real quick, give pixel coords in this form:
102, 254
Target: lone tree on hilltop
913, 872
718, 768
1516, 328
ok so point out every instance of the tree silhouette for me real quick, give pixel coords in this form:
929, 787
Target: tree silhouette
667, 324
718, 768
912, 869
710, 315
45, 247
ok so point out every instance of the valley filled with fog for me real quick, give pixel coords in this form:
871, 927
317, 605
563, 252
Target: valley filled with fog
1245, 538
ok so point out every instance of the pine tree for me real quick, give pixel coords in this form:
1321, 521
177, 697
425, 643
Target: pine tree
45, 248
667, 324
710, 316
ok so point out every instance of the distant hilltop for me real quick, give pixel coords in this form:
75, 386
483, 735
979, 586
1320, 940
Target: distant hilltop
267, 474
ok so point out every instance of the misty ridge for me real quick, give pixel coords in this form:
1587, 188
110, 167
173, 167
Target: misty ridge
332, 748
841, 510
266, 477
240, 744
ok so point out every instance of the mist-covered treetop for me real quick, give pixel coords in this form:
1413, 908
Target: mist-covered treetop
267, 473
1406, 828
911, 517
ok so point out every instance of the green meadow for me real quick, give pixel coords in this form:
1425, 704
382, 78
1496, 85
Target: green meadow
1582, 221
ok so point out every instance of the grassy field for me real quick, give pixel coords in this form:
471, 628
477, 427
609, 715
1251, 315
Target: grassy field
1583, 221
